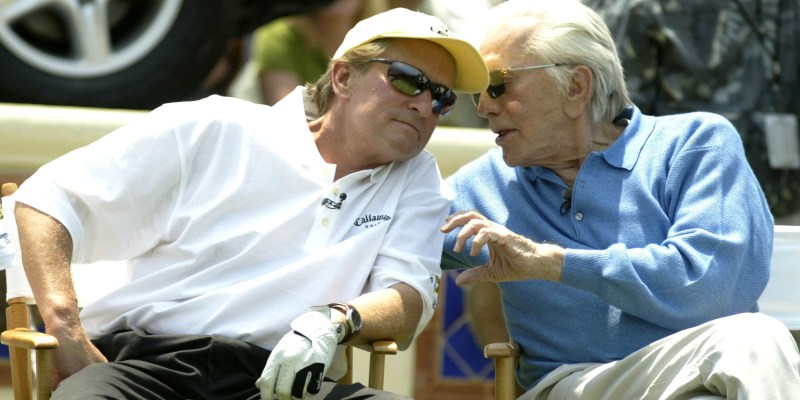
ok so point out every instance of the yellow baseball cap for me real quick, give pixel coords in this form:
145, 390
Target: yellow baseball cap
472, 76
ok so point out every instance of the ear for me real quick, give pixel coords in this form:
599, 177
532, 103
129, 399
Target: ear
579, 91
340, 78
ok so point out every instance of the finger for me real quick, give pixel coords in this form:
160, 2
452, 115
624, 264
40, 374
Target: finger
308, 379
284, 383
460, 218
473, 275
449, 224
316, 373
301, 380
487, 234
472, 228
266, 383
478, 241
457, 214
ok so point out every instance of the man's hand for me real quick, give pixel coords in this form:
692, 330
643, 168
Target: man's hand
298, 363
512, 257
74, 352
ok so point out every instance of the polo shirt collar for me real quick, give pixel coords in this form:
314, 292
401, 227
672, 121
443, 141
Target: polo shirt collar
623, 153
626, 150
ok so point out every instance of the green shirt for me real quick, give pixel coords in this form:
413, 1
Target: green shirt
280, 45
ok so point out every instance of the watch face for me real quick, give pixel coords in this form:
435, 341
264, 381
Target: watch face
355, 317
351, 315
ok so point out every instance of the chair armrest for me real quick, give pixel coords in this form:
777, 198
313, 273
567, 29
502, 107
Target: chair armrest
384, 347
28, 339
20, 342
377, 361
500, 350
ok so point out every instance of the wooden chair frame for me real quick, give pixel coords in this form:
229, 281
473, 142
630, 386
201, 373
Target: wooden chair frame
505, 357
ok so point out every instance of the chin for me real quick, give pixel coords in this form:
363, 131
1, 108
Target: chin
406, 156
509, 159
406, 151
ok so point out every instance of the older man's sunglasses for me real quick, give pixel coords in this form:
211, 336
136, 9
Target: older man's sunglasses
412, 81
497, 83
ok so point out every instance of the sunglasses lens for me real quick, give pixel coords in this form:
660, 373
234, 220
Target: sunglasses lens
496, 84
411, 81
496, 91
476, 98
443, 100
405, 78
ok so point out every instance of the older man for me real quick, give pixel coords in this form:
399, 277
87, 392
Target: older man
630, 249
317, 217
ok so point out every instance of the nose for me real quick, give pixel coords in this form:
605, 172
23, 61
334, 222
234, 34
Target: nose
486, 105
422, 103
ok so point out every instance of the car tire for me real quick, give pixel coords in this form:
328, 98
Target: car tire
172, 69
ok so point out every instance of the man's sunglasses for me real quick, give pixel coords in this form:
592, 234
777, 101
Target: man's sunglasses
497, 83
411, 81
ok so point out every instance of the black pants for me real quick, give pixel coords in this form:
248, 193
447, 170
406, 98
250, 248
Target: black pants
167, 367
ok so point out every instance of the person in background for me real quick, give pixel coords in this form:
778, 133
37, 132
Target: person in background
296, 49
262, 239
626, 264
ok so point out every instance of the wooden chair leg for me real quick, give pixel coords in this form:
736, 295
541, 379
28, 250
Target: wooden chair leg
377, 361
21, 376
348, 376
44, 374
20, 358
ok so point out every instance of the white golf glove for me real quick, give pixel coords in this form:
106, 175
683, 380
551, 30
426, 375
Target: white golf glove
298, 362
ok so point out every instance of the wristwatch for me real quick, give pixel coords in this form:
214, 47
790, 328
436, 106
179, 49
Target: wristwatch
352, 325
352, 319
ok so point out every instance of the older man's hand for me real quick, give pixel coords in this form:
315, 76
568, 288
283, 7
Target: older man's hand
512, 257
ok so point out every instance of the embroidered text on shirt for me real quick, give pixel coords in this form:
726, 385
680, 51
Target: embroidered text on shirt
369, 220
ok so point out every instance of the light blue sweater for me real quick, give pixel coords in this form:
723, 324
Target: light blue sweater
668, 228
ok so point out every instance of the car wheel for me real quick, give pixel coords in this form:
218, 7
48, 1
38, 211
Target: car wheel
109, 53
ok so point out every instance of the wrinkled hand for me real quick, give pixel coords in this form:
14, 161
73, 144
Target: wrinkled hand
299, 361
512, 257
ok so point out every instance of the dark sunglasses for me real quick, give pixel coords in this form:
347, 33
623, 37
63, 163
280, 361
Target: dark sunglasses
411, 81
497, 83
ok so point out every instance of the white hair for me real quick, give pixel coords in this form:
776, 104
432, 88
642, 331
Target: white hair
567, 31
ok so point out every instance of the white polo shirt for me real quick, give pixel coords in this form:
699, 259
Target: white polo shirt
219, 204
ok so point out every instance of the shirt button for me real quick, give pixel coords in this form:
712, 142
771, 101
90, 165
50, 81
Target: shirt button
579, 216
335, 191
325, 222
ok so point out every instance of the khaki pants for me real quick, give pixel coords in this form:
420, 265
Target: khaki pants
744, 356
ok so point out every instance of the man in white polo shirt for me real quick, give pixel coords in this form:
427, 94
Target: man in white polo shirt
261, 237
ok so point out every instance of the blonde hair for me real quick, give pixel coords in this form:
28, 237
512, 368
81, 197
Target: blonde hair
321, 91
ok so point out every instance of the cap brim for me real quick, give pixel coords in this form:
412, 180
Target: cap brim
472, 76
